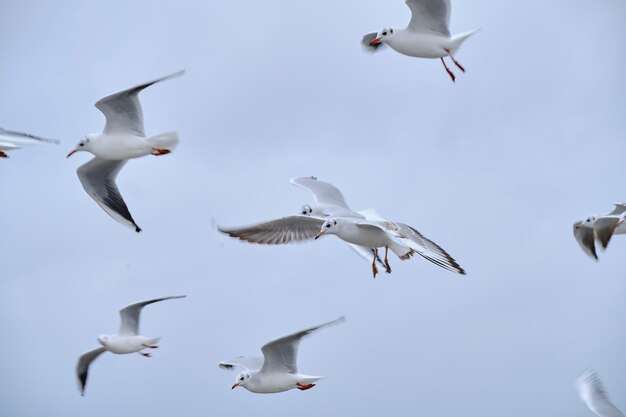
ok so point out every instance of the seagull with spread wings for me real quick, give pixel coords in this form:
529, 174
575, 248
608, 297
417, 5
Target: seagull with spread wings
600, 227
123, 138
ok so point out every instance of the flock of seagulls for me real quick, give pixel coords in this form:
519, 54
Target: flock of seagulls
366, 232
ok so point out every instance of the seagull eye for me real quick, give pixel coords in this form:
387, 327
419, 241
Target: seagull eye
385, 33
328, 225
241, 379
82, 144
390, 30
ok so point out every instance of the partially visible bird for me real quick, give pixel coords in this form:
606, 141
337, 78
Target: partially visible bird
593, 394
600, 227
10, 140
127, 340
426, 36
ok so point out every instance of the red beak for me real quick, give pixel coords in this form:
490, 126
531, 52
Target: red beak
375, 41
72, 152
235, 386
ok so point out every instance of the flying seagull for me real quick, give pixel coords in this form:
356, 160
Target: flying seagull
126, 341
600, 227
123, 138
277, 370
593, 394
426, 36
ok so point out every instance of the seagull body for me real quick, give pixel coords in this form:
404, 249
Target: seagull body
600, 227
277, 370
123, 138
377, 232
426, 36
126, 341
291, 229
592, 392
10, 140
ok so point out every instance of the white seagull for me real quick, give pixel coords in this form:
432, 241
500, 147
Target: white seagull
10, 140
600, 227
593, 394
277, 370
304, 226
127, 340
376, 232
123, 138
426, 36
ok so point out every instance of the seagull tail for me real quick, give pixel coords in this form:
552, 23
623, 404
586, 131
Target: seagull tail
167, 141
457, 40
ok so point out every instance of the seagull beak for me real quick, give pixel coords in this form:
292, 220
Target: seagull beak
320, 234
375, 41
235, 386
72, 152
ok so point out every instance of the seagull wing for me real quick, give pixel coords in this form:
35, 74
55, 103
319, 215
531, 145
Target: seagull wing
130, 315
619, 208
584, 237
593, 394
281, 355
604, 228
253, 363
289, 229
20, 138
82, 367
123, 110
430, 16
326, 195
98, 179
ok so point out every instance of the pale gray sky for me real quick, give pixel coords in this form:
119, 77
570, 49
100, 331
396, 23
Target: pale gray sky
494, 168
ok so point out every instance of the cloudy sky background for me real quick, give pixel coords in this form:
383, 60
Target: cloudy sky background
495, 168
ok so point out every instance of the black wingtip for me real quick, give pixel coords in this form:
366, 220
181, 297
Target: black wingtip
137, 229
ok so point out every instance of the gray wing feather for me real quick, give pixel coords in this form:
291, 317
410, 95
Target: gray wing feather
431, 251
430, 16
123, 110
131, 313
619, 208
82, 367
323, 192
98, 179
253, 363
592, 392
281, 355
584, 237
21, 135
604, 228
289, 229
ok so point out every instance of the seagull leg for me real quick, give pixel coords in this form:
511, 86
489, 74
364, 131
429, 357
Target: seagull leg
147, 355
387, 260
3, 155
450, 73
304, 387
374, 269
159, 151
151, 347
455, 61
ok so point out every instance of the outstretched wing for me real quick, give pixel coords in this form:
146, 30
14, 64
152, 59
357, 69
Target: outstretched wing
289, 229
593, 394
619, 208
82, 367
123, 110
430, 16
98, 179
604, 228
253, 363
130, 315
281, 355
327, 196
584, 237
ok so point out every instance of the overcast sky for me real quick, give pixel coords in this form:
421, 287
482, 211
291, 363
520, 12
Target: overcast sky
494, 168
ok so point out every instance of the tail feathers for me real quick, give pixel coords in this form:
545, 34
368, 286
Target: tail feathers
457, 40
167, 141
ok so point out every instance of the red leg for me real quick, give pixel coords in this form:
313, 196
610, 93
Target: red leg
3, 155
374, 269
455, 61
387, 261
147, 355
151, 347
448, 69
159, 151
304, 387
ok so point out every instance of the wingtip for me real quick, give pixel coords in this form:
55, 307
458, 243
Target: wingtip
137, 229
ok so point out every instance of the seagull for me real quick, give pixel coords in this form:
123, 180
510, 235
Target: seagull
593, 394
123, 138
426, 36
375, 232
127, 340
277, 370
10, 140
292, 229
600, 227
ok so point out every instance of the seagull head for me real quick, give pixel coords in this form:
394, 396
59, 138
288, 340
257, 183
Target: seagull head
242, 380
306, 210
329, 227
381, 35
103, 339
588, 222
83, 145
